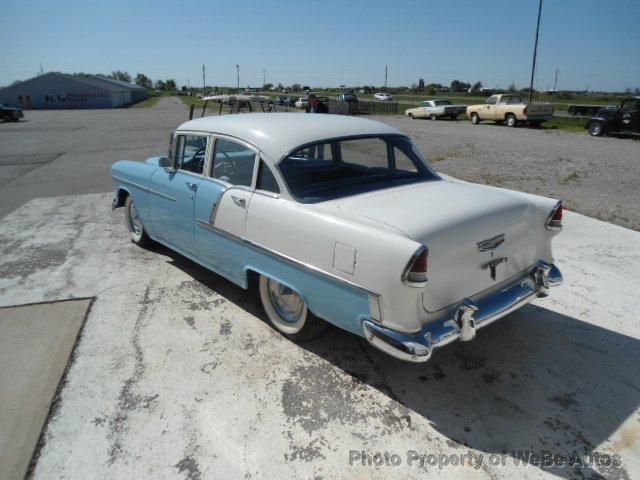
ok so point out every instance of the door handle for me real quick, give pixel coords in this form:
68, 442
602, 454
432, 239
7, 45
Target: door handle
241, 202
192, 186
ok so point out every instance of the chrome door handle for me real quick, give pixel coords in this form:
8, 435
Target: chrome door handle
241, 202
192, 186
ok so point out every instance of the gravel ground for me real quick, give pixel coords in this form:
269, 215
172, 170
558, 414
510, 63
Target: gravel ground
598, 177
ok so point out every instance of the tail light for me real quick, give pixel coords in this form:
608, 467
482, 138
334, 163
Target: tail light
554, 222
415, 274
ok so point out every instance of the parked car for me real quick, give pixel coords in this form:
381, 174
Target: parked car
280, 100
435, 109
291, 101
383, 97
10, 114
347, 98
340, 219
302, 102
510, 109
624, 119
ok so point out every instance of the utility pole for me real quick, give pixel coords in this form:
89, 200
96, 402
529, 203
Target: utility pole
238, 75
264, 79
41, 70
535, 51
386, 71
204, 83
555, 82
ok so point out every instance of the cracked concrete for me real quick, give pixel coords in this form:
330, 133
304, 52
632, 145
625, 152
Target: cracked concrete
177, 374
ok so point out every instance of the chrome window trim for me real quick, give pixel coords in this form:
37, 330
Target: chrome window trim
143, 188
215, 137
207, 152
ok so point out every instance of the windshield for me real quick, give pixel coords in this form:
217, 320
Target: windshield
439, 103
348, 166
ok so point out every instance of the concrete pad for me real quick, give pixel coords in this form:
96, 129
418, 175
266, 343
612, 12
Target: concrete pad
178, 375
35, 344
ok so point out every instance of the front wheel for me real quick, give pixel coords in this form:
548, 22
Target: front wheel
411, 116
433, 117
287, 311
511, 120
134, 224
596, 129
475, 119
454, 117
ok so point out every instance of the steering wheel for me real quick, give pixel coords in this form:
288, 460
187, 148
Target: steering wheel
225, 167
198, 162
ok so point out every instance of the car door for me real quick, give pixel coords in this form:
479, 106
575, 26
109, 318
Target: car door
630, 115
171, 205
221, 205
488, 111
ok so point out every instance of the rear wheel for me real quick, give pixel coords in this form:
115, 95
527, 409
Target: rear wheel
134, 224
453, 117
475, 119
511, 120
287, 311
596, 129
411, 116
6, 117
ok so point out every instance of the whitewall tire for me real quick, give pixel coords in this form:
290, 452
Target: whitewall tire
134, 224
287, 311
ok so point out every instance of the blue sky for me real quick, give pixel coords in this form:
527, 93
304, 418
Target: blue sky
330, 42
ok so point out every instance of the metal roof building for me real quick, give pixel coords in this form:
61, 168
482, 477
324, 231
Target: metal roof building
58, 90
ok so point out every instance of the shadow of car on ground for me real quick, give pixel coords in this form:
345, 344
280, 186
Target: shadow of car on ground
536, 381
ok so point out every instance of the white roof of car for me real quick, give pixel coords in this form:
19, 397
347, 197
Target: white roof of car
277, 134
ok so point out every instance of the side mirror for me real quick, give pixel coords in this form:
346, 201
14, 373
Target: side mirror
166, 162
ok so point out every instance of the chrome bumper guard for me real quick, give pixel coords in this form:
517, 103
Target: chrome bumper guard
467, 317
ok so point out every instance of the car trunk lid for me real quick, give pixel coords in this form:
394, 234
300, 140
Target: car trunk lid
453, 219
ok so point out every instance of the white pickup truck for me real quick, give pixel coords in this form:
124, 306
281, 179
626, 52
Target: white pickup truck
510, 109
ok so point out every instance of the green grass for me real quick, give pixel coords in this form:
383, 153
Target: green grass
568, 124
149, 102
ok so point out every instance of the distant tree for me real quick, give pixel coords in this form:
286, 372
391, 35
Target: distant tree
160, 85
431, 89
512, 88
458, 86
119, 75
476, 87
15, 82
143, 80
268, 86
280, 87
636, 91
171, 84
296, 87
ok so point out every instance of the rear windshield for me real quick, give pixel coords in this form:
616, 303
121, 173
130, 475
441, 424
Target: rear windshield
439, 103
348, 166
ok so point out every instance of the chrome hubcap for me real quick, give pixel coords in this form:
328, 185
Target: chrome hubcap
134, 218
286, 302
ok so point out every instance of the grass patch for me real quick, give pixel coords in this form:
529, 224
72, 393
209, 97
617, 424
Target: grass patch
568, 124
149, 102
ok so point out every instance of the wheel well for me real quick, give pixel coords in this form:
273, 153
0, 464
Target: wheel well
121, 197
509, 113
252, 280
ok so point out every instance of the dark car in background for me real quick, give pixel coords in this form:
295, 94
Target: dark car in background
347, 98
10, 114
624, 119
290, 101
280, 101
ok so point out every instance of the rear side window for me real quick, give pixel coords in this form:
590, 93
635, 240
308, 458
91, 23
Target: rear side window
266, 180
233, 162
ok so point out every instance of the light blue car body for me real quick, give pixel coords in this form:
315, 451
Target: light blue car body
168, 208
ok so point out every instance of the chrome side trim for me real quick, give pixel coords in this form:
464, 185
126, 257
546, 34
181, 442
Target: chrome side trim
143, 188
211, 227
462, 322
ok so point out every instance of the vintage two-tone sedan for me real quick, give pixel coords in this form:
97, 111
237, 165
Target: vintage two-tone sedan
340, 219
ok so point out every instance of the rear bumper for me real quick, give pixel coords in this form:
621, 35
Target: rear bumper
537, 118
467, 317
